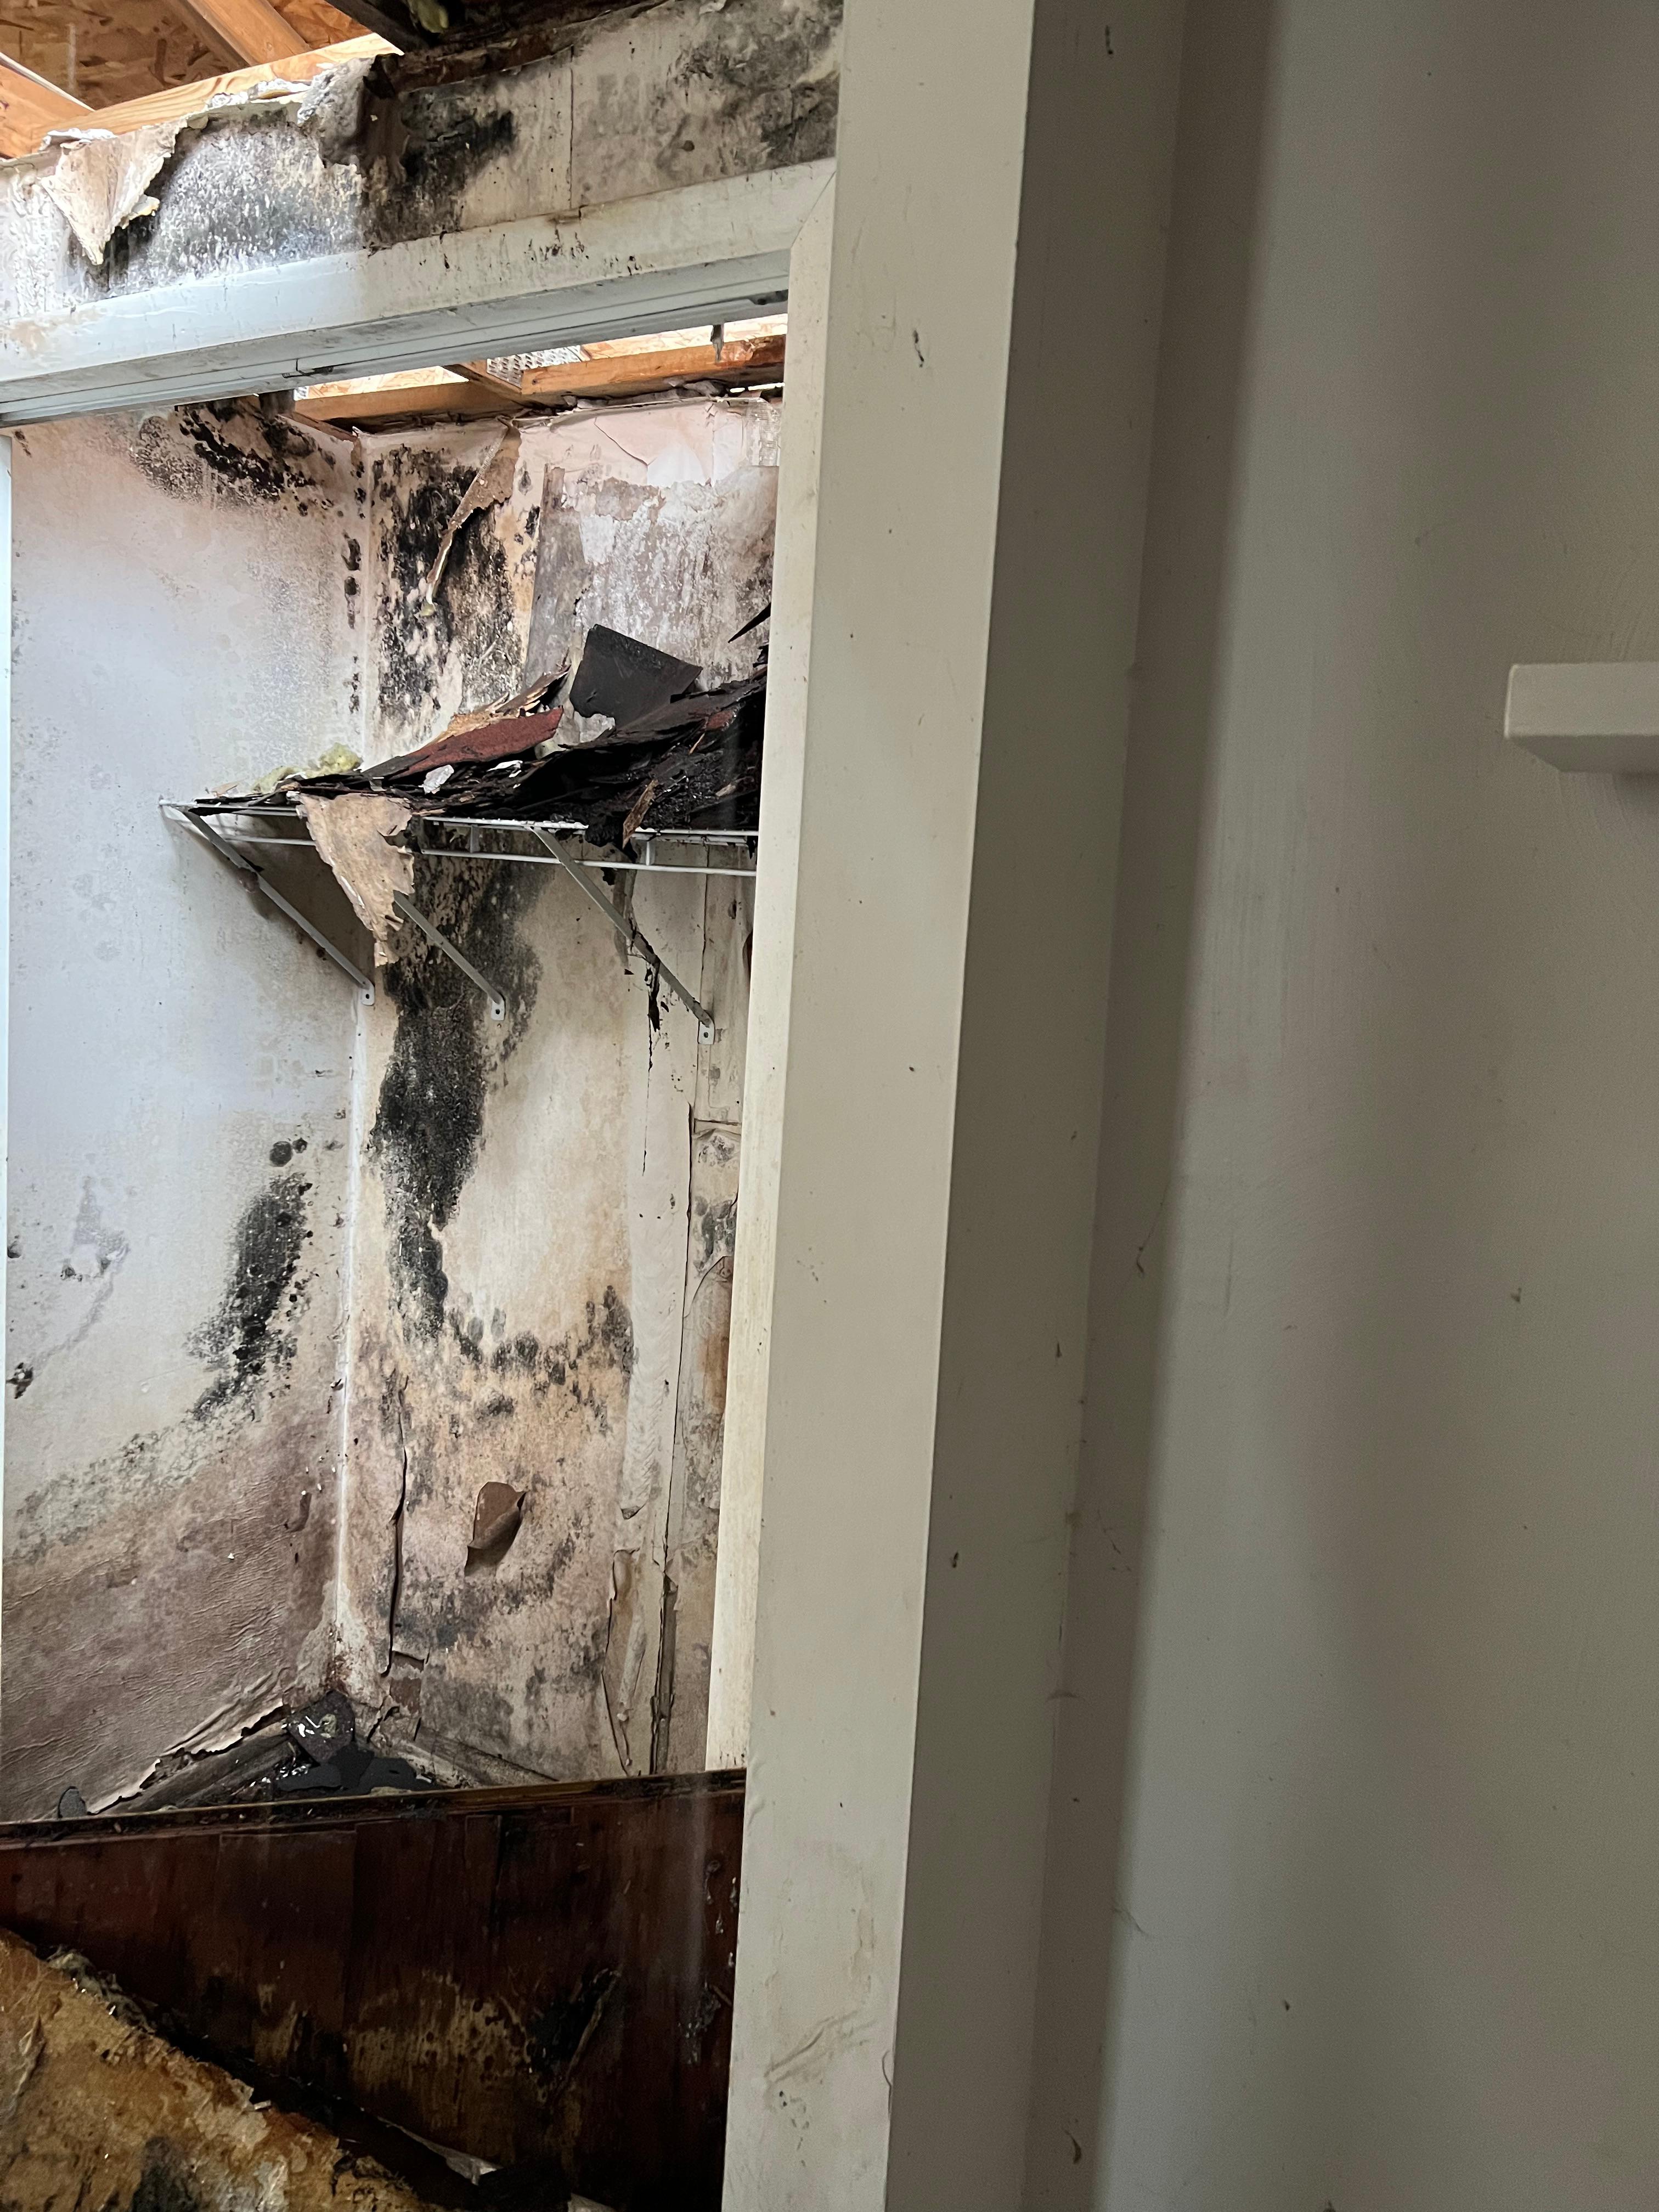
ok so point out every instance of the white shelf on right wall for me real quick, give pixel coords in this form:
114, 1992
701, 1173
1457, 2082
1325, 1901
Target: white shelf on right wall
1593, 717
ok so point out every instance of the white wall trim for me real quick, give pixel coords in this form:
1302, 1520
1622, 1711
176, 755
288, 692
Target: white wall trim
703, 253
5, 925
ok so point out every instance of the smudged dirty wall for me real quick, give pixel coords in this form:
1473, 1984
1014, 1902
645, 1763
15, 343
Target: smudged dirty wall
179, 1083
540, 1213
542, 1264
646, 99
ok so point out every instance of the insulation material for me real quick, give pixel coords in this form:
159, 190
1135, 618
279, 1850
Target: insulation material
355, 833
95, 2107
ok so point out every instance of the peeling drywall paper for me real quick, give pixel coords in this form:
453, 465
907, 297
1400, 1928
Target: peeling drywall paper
99, 181
353, 834
492, 484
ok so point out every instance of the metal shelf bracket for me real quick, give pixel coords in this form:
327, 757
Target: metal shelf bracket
227, 852
634, 938
435, 936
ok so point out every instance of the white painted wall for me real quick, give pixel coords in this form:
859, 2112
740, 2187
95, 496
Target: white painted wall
1372, 1444
168, 1553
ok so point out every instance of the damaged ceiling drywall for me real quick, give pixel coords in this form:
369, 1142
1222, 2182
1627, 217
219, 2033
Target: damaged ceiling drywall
369, 155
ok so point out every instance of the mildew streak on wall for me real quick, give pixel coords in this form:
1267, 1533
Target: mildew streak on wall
543, 1250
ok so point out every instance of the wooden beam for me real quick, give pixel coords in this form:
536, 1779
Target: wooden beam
618, 376
183, 100
629, 375
247, 30
29, 107
476, 371
441, 396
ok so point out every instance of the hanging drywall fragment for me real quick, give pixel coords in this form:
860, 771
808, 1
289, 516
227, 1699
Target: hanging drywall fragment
100, 180
353, 834
488, 489
623, 677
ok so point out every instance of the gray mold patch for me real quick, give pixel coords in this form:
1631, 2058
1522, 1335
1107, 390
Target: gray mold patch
198, 1539
511, 1660
473, 622
228, 451
768, 73
252, 1334
447, 1050
749, 87
252, 185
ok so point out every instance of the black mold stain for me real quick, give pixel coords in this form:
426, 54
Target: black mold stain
473, 617
779, 89
246, 1336
423, 150
226, 449
428, 1123
605, 1344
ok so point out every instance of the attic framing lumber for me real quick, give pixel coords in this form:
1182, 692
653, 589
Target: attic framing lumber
30, 106
439, 396
182, 100
631, 376
614, 376
247, 30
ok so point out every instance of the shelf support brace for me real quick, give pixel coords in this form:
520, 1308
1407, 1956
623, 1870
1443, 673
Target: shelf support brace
435, 936
634, 938
223, 846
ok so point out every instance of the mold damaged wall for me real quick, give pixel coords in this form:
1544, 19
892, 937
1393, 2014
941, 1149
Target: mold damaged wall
540, 1212
639, 102
180, 1081
542, 1251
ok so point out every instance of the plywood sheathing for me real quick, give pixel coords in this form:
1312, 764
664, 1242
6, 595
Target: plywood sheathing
542, 1248
102, 52
95, 2107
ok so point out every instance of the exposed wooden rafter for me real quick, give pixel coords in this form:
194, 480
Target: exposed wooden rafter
29, 107
626, 375
247, 30
385, 22
470, 390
